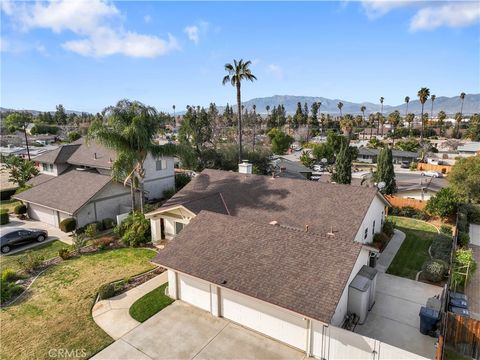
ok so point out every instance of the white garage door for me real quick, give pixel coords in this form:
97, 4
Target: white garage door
42, 214
195, 292
264, 318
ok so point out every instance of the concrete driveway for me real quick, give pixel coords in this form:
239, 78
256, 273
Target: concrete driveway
181, 331
394, 317
53, 233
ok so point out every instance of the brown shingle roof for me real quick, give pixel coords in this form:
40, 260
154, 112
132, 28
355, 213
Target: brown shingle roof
67, 192
296, 270
92, 154
290, 202
57, 156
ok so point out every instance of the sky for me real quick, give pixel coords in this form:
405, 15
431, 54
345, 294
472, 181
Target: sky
89, 54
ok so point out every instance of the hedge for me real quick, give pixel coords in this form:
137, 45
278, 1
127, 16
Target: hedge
68, 225
20, 209
4, 217
6, 194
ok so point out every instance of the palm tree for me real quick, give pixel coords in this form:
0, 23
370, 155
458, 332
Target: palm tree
441, 121
254, 121
381, 102
462, 97
409, 119
238, 72
381, 121
174, 117
346, 124
458, 119
407, 100
423, 95
129, 129
431, 111
394, 119
340, 106
362, 109
371, 123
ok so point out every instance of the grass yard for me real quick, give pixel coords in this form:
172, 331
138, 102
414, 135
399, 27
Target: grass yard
9, 204
47, 251
57, 312
151, 303
414, 250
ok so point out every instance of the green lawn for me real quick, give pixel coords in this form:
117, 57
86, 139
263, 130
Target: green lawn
57, 312
414, 250
47, 251
9, 204
151, 303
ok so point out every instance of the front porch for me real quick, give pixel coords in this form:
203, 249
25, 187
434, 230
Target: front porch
168, 222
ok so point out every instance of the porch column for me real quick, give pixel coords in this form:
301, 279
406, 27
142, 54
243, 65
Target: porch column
173, 284
156, 227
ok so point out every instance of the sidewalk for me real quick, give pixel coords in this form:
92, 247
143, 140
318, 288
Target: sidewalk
386, 257
113, 316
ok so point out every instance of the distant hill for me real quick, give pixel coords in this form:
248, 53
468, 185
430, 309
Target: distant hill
36, 112
450, 105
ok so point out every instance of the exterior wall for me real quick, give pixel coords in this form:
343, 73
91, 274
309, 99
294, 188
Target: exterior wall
341, 310
85, 215
194, 291
376, 212
42, 214
157, 181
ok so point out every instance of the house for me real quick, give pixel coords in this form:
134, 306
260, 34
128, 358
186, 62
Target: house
276, 255
75, 181
283, 167
469, 148
370, 155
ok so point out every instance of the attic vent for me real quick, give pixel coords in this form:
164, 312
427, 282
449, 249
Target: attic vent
274, 222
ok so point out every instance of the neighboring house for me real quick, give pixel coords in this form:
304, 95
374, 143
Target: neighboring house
75, 181
276, 255
11, 150
290, 169
469, 149
370, 155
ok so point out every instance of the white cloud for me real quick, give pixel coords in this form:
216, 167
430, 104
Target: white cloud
276, 71
147, 19
451, 15
98, 24
196, 31
377, 8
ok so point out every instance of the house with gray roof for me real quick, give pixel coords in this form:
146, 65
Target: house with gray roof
75, 181
274, 254
370, 155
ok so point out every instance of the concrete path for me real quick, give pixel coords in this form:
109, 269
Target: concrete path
386, 257
184, 332
113, 315
475, 234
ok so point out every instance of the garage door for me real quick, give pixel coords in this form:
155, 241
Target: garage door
194, 291
42, 214
264, 318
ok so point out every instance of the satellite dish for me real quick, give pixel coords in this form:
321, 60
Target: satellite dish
381, 185
324, 161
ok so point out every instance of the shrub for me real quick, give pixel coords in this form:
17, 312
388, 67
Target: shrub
4, 217
106, 291
434, 270
471, 212
134, 230
446, 229
465, 265
409, 211
441, 247
167, 194
181, 180
8, 291
23, 188
444, 203
65, 253
30, 261
103, 242
380, 240
73, 136
9, 275
108, 223
68, 225
79, 241
91, 230
413, 166
6, 194
388, 228
20, 209
463, 239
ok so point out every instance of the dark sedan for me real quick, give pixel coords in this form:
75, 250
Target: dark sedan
10, 238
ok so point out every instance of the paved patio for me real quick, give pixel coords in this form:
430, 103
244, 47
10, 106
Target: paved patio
181, 331
394, 317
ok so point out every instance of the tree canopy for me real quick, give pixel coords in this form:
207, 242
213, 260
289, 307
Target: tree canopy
385, 171
465, 178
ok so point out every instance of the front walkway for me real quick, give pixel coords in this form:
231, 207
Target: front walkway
386, 257
113, 316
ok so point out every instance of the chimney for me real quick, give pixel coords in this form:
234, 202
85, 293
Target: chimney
245, 167
95, 156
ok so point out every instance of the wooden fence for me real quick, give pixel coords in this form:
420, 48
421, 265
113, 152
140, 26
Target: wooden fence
463, 335
400, 202
444, 169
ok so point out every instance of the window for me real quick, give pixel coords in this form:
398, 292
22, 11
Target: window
366, 233
44, 167
178, 227
51, 167
373, 229
161, 164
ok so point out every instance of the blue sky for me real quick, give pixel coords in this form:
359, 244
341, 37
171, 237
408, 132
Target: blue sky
89, 54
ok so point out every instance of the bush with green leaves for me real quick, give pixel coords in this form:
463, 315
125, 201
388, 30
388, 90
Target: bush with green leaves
472, 212
181, 179
9, 275
108, 223
463, 268
30, 261
444, 203
79, 241
380, 240
446, 229
410, 212
463, 239
91, 230
388, 228
106, 291
4, 217
68, 225
434, 270
73, 136
441, 247
65, 253
20, 209
134, 230
8, 291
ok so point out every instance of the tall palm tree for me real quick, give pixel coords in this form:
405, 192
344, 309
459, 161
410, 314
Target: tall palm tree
409, 119
381, 102
238, 72
381, 121
346, 124
394, 119
340, 106
423, 95
129, 130
174, 117
362, 109
462, 97
371, 123
441, 121
254, 123
458, 119
431, 111
407, 100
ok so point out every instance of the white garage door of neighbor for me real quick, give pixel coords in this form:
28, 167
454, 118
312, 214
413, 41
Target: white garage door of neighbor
264, 318
42, 214
195, 292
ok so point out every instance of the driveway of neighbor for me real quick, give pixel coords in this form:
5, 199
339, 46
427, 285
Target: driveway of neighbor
394, 317
181, 331
53, 233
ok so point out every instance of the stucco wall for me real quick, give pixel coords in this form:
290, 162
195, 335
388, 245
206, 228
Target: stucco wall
376, 212
157, 181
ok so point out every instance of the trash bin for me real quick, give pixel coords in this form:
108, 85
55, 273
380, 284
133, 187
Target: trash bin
460, 311
373, 260
428, 320
459, 303
457, 295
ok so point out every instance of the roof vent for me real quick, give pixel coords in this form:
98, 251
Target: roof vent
331, 232
274, 222
306, 227
245, 167
95, 156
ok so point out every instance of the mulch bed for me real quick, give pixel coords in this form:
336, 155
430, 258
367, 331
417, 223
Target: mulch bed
137, 280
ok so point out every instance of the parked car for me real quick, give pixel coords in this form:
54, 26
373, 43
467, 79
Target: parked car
10, 238
405, 164
434, 174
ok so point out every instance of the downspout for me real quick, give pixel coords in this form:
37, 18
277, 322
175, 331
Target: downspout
308, 349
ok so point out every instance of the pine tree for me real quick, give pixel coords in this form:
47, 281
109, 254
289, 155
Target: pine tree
385, 172
343, 166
